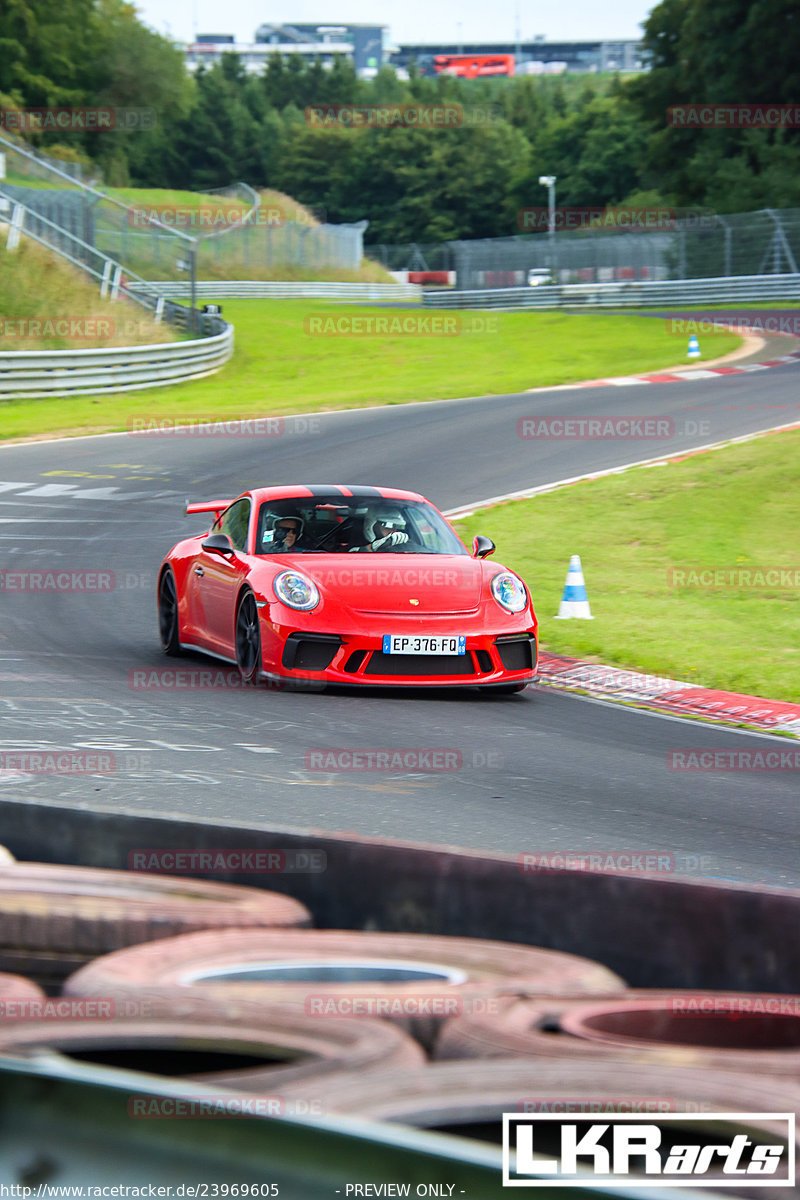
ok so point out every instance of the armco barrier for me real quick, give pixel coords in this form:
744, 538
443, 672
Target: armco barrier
640, 294
42, 373
264, 289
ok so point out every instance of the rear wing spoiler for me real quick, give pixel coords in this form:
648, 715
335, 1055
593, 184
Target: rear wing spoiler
215, 506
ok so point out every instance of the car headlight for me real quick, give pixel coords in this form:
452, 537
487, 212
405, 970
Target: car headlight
295, 590
509, 592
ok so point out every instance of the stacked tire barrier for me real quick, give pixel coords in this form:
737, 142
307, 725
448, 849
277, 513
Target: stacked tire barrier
228, 987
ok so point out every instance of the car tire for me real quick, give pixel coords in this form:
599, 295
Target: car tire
54, 919
561, 1029
414, 979
168, 623
449, 1096
13, 989
226, 1042
761, 1036
248, 638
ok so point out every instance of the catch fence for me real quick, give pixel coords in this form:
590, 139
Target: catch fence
617, 248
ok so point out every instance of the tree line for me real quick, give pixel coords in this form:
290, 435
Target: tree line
608, 140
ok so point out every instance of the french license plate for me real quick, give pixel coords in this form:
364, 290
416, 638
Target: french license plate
402, 643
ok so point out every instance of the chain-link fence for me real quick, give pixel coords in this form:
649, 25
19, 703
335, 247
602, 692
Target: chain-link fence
225, 234
43, 200
701, 246
414, 256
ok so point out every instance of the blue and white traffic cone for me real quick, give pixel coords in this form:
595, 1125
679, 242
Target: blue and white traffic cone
694, 348
574, 602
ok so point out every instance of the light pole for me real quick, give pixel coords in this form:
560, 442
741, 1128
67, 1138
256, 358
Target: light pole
549, 181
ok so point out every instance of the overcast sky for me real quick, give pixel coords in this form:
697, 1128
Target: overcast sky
410, 21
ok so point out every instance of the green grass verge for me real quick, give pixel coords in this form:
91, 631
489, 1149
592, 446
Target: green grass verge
736, 508
280, 368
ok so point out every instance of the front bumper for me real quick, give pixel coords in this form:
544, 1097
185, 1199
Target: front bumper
490, 658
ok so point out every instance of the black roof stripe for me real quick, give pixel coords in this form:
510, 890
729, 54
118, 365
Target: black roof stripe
323, 489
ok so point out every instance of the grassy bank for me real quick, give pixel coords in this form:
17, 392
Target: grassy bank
46, 304
297, 356
649, 541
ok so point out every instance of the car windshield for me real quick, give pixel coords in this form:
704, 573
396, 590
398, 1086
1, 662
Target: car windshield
332, 525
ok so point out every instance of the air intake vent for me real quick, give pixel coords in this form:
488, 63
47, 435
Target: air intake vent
515, 652
420, 664
310, 651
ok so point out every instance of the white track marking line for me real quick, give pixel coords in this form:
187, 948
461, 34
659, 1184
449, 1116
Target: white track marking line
466, 510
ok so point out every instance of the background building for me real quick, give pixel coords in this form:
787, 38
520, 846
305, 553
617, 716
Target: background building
363, 45
539, 56
367, 47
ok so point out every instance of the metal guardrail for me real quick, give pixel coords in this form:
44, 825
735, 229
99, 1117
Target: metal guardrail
80, 1120
32, 374
85, 1126
43, 373
640, 294
108, 272
266, 289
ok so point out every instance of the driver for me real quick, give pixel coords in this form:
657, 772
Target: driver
287, 536
384, 529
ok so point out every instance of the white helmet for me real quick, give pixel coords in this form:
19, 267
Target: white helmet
277, 537
384, 516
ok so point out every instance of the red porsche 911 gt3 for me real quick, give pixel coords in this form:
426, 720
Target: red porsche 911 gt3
348, 585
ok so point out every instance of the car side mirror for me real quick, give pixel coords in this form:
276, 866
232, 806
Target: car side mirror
218, 543
482, 547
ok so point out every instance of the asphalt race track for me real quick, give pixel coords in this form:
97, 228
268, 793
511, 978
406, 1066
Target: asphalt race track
537, 772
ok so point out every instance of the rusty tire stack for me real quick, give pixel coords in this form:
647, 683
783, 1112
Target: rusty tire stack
228, 987
54, 919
